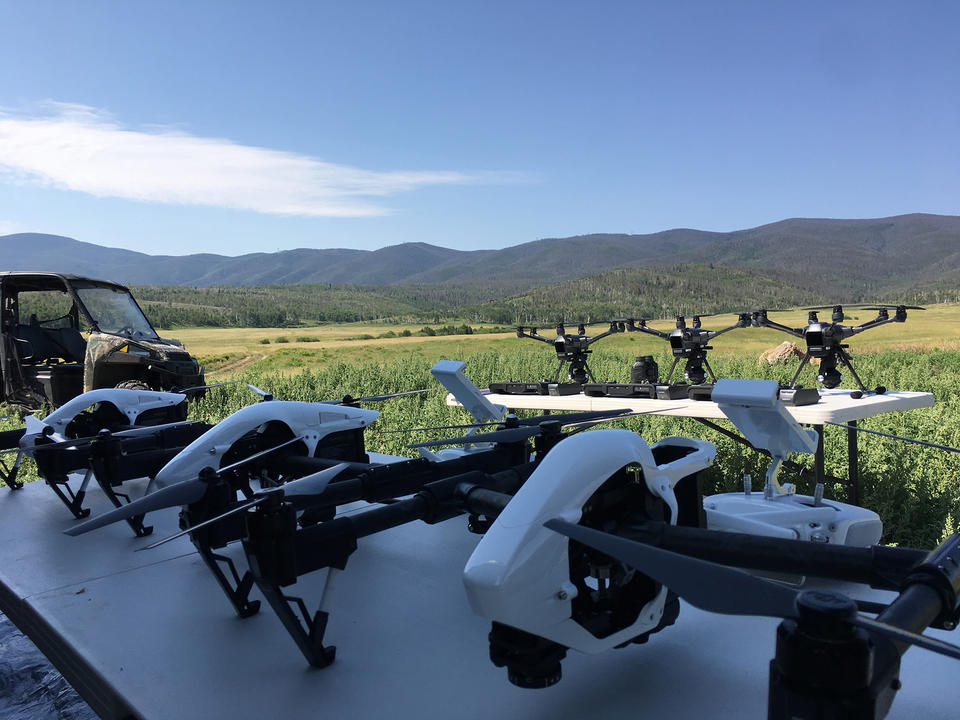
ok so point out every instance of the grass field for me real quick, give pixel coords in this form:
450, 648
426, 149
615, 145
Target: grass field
225, 351
916, 490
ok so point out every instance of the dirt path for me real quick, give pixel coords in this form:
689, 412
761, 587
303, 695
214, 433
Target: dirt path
235, 365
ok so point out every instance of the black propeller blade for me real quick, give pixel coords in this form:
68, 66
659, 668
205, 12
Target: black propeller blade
502, 436
181, 493
720, 589
197, 388
869, 306
307, 486
350, 400
184, 492
527, 428
564, 418
262, 393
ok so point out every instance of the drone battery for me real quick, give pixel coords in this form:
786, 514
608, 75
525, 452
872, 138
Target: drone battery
558, 389
518, 388
676, 391
799, 396
620, 390
701, 392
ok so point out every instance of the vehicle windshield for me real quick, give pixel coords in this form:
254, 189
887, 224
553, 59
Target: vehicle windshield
115, 311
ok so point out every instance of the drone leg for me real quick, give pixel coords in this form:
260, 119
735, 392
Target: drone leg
9, 477
307, 632
74, 502
845, 359
709, 369
107, 479
803, 363
670, 374
556, 375
239, 592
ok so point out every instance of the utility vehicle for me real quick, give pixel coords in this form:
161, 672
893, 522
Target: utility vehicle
61, 335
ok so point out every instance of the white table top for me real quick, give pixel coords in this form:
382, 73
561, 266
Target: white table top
835, 405
157, 628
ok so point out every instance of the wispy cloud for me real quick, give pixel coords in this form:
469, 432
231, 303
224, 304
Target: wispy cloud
75, 147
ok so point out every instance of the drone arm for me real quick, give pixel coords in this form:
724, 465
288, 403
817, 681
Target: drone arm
879, 566
613, 329
651, 331
534, 336
711, 334
856, 329
766, 322
278, 553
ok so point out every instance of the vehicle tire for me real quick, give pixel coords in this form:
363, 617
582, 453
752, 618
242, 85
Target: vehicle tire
132, 385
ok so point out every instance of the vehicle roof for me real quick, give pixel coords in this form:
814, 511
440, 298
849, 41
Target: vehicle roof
66, 277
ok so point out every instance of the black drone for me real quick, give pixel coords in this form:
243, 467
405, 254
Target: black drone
686, 343
571, 349
825, 339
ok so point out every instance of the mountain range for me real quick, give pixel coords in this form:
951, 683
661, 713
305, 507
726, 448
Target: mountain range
848, 258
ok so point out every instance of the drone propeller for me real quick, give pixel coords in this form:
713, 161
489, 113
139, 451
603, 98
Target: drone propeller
181, 493
869, 306
262, 393
504, 436
895, 437
309, 485
197, 388
184, 492
719, 589
563, 418
349, 399
516, 434
587, 424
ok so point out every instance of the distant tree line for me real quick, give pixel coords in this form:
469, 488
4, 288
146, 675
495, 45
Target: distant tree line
634, 292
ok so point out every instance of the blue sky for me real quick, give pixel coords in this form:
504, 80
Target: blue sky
234, 127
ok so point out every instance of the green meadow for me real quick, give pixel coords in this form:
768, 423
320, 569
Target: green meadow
915, 489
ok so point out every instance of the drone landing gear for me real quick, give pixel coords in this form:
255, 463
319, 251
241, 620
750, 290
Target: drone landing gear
9, 441
828, 374
579, 371
237, 592
219, 497
73, 500
694, 367
306, 632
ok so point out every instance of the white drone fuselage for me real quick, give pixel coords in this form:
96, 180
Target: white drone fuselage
132, 403
309, 421
519, 573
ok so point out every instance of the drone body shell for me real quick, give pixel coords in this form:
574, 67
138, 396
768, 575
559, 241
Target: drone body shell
519, 574
132, 403
309, 421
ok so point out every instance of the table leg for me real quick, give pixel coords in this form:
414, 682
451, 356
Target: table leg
818, 457
853, 471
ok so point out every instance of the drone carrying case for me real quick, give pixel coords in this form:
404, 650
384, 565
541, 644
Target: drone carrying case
676, 391
558, 389
700, 392
517, 388
799, 396
620, 390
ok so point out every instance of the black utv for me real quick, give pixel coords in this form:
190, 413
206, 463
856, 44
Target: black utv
62, 335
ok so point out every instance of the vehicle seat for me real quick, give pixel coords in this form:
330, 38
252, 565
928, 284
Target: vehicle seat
37, 344
72, 344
